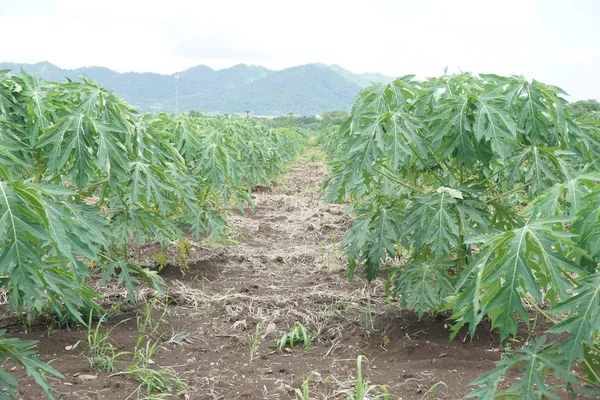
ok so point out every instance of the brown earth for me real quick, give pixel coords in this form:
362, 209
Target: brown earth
286, 266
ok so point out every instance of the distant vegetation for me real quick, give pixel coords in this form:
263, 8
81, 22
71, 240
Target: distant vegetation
329, 119
581, 107
303, 90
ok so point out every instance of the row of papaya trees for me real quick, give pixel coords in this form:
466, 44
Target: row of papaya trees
479, 195
83, 178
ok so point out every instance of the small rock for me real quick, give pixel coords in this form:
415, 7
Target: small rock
271, 328
88, 377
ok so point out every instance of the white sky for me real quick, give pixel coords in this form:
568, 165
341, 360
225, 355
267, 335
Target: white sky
555, 41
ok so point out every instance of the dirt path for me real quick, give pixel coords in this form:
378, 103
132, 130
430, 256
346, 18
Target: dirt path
287, 266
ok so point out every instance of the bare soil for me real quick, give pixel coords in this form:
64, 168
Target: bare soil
286, 266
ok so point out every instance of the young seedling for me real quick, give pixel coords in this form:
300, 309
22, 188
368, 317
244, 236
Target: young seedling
298, 333
302, 393
363, 389
255, 342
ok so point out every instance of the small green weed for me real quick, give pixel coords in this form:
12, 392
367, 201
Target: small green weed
160, 259
147, 324
298, 333
315, 155
100, 352
433, 389
183, 246
162, 382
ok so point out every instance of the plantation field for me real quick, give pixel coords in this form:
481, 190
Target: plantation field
288, 266
441, 241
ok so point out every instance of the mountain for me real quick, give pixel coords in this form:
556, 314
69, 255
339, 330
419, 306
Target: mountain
361, 80
302, 90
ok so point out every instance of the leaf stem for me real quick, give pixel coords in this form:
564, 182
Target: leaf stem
569, 277
507, 193
587, 363
481, 182
443, 162
533, 303
91, 185
399, 182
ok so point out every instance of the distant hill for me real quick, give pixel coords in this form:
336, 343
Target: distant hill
302, 90
361, 80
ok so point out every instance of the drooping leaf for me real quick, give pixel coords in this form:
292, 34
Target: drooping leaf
534, 363
583, 323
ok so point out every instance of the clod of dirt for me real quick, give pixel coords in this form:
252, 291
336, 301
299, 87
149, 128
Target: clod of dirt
261, 189
266, 229
249, 289
278, 218
327, 228
335, 211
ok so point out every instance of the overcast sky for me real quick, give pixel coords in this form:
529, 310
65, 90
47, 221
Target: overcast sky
555, 41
